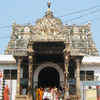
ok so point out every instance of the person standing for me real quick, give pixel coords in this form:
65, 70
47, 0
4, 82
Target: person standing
37, 94
52, 92
41, 93
6, 93
1, 76
55, 94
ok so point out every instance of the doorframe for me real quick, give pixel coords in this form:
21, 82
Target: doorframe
45, 65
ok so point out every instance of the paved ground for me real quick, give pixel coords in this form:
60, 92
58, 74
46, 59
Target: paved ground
91, 94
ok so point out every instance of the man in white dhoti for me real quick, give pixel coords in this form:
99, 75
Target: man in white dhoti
47, 95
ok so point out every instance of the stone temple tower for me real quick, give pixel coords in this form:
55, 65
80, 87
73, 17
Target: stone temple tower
49, 54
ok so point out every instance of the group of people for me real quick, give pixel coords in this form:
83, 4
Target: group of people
48, 94
41, 93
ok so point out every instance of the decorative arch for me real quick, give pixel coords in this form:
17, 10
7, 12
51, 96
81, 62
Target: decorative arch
50, 64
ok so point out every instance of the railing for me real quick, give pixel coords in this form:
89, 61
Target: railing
21, 97
74, 97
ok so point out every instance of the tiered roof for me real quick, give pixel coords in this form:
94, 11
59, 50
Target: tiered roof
50, 28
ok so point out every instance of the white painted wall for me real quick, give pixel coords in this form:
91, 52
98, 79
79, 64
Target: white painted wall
3, 67
11, 83
95, 68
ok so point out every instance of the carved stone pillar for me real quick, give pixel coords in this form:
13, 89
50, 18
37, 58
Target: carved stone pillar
30, 57
18, 75
30, 76
67, 58
78, 78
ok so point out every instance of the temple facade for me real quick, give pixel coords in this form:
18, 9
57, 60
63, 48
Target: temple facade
50, 54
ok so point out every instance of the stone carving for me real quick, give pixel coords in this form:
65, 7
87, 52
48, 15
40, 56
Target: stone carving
50, 28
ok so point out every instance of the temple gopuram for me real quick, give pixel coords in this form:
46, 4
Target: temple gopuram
51, 54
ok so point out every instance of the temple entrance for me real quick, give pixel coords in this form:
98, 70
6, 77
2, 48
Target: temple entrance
48, 77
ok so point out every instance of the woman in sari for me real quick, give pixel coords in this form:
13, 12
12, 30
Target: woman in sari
55, 94
37, 94
41, 93
6, 93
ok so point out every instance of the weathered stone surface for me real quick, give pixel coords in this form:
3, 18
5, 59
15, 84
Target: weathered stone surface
50, 28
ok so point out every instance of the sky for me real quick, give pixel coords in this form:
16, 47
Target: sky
28, 11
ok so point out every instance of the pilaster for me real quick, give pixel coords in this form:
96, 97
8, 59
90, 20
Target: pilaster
18, 75
78, 62
67, 58
30, 83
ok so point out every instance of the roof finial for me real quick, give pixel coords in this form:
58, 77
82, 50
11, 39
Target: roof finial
49, 5
49, 12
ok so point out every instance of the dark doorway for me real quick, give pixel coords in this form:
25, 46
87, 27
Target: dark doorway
48, 77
